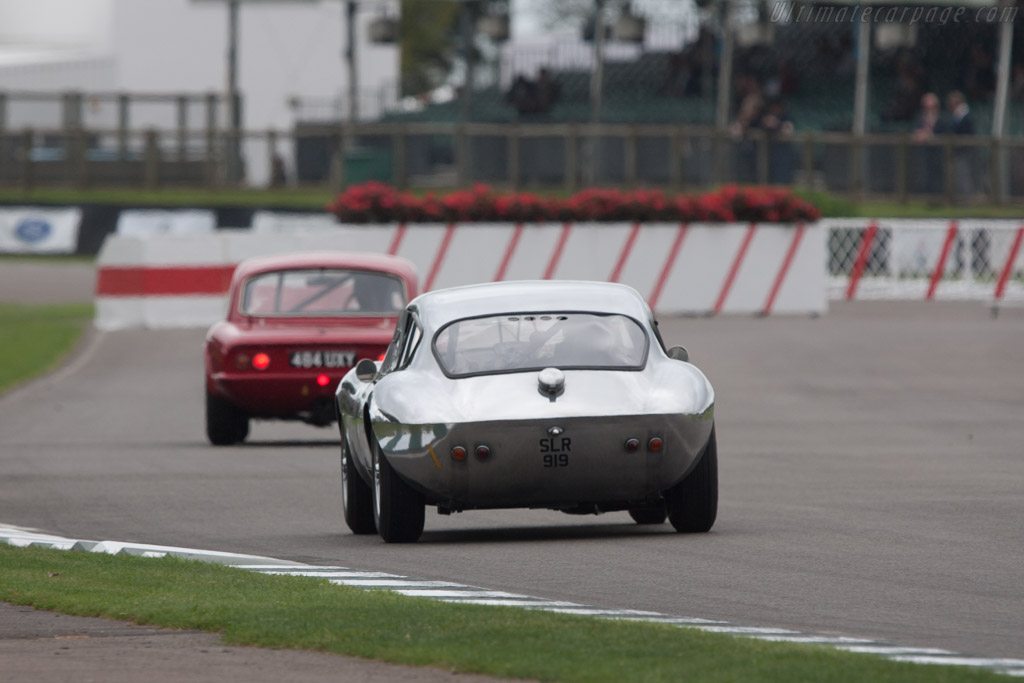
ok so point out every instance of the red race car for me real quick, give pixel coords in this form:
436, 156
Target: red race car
294, 327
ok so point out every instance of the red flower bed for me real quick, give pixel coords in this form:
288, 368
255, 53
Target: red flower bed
375, 202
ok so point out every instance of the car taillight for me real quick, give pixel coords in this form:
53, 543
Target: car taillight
242, 361
632, 445
654, 445
261, 361
380, 358
458, 453
483, 452
323, 380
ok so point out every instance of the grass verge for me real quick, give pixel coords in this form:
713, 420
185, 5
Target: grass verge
34, 339
304, 613
304, 198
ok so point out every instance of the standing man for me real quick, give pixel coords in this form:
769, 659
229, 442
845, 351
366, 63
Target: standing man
961, 123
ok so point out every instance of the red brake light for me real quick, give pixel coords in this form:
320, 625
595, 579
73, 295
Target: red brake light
654, 445
458, 453
483, 452
323, 380
261, 361
632, 445
380, 359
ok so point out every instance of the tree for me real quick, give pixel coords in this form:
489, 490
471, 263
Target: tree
427, 34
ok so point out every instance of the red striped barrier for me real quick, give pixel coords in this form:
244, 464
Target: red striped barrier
734, 269
624, 256
167, 281
667, 268
787, 263
396, 241
173, 281
940, 266
563, 237
1004, 274
509, 251
862, 259
439, 258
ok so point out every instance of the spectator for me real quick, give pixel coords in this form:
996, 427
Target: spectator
278, 173
927, 118
523, 95
778, 125
547, 91
749, 104
926, 161
749, 107
961, 123
776, 120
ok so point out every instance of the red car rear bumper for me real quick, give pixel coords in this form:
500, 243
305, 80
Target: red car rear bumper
276, 395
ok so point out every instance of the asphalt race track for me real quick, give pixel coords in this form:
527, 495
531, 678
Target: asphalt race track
872, 480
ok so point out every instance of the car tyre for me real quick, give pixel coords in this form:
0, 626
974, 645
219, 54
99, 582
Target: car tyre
356, 496
649, 514
693, 503
398, 509
226, 424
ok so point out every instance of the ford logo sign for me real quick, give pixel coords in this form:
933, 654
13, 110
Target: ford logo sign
32, 230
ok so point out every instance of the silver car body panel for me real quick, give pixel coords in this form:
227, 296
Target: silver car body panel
417, 415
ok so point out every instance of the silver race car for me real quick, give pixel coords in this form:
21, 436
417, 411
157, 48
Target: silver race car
556, 395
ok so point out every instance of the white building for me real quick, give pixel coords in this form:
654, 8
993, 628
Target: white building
287, 49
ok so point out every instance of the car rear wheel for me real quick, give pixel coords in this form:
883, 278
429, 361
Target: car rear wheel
356, 497
398, 508
649, 514
693, 502
226, 424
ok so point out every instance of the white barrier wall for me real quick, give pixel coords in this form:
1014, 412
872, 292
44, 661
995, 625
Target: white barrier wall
180, 280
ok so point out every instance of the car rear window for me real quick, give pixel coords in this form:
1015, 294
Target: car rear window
320, 292
533, 341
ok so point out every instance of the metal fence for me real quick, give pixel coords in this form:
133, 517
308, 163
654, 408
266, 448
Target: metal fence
946, 169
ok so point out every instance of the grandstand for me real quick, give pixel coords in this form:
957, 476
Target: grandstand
822, 100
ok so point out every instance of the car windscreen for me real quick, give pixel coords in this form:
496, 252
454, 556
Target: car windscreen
322, 292
533, 341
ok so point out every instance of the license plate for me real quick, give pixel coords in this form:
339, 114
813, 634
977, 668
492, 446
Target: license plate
322, 359
555, 450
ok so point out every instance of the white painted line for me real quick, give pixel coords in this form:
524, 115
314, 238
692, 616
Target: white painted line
437, 593
272, 568
746, 630
639, 616
388, 584
667, 619
811, 639
335, 574
541, 605
893, 650
961, 660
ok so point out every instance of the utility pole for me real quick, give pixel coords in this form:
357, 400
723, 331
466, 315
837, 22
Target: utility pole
467, 16
593, 142
351, 61
234, 105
